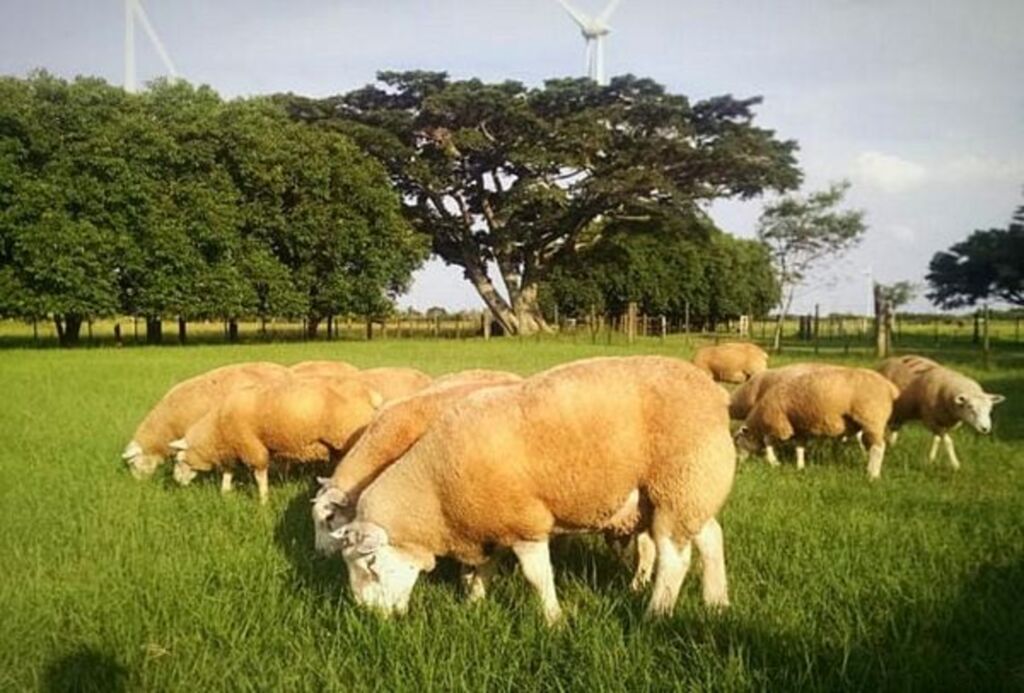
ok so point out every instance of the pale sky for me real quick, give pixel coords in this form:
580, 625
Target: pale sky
919, 103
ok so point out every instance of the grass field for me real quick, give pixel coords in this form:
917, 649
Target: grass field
912, 583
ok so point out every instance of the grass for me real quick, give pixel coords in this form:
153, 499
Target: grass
913, 583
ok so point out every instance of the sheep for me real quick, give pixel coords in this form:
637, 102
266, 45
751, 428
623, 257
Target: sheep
732, 362
743, 399
392, 383
395, 428
941, 399
902, 370
831, 403
604, 444
337, 369
301, 419
182, 406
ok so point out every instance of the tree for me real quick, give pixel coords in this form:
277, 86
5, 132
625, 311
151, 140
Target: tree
686, 267
988, 264
67, 196
518, 178
800, 232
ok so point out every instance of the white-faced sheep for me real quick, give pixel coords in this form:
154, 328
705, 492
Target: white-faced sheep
941, 399
732, 362
607, 444
297, 419
183, 405
828, 403
395, 428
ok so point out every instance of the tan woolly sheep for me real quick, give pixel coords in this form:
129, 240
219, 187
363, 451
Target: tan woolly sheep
732, 362
324, 369
941, 399
182, 406
827, 403
392, 383
608, 444
297, 419
743, 398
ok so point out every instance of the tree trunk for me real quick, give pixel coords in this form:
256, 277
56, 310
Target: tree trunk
529, 319
154, 330
777, 339
233, 330
312, 325
69, 327
883, 322
182, 330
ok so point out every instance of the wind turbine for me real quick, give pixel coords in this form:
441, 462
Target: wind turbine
594, 30
132, 11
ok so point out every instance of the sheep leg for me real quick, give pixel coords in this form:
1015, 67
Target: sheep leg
894, 435
875, 456
711, 547
263, 483
799, 456
646, 553
769, 454
673, 564
535, 561
935, 449
951, 451
476, 579
225, 481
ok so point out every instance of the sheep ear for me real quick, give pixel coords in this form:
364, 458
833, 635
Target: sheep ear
324, 481
376, 399
132, 450
364, 538
960, 399
996, 399
179, 444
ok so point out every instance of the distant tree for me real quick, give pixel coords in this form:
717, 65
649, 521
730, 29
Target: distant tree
518, 178
666, 268
988, 264
800, 232
66, 199
899, 293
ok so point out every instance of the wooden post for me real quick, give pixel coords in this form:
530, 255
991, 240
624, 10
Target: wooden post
816, 327
486, 326
883, 321
686, 318
631, 322
664, 327
986, 345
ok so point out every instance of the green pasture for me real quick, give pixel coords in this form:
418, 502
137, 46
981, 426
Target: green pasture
915, 582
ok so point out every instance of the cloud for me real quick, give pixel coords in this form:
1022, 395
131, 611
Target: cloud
902, 233
972, 168
888, 173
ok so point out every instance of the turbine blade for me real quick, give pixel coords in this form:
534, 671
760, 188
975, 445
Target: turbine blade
161, 51
607, 11
577, 16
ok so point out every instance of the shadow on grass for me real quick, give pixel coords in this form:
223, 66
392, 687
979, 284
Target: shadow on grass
85, 669
1008, 416
324, 578
976, 642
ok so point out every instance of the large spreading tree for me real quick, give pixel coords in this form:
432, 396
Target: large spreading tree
512, 179
987, 264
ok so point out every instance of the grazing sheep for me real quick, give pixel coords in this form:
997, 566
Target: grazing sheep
300, 419
182, 406
828, 403
475, 376
606, 444
744, 398
395, 428
324, 369
902, 370
732, 362
941, 399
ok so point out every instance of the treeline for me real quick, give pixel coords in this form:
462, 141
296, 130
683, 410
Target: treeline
175, 203
685, 269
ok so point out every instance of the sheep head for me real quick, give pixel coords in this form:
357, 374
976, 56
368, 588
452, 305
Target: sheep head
381, 575
141, 465
975, 409
332, 509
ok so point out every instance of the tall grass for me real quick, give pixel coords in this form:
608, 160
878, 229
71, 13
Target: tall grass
915, 582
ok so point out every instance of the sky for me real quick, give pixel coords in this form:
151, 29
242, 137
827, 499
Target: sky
917, 102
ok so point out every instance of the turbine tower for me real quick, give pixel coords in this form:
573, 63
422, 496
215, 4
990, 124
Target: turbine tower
594, 30
132, 11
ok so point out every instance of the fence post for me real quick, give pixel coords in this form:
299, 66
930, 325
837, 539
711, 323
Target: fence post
631, 322
664, 328
686, 317
986, 344
816, 325
117, 334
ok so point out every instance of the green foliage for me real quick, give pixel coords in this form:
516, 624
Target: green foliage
173, 202
663, 267
988, 264
897, 294
525, 177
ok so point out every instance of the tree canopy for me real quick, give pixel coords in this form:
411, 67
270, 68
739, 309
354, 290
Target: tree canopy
518, 178
987, 264
174, 202
689, 268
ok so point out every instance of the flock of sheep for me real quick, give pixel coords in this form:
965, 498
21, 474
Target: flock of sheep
474, 464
